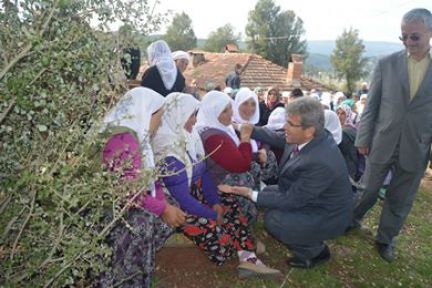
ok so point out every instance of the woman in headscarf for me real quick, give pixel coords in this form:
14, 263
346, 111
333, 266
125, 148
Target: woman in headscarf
246, 110
229, 157
271, 102
149, 219
276, 122
215, 225
331, 124
347, 147
163, 75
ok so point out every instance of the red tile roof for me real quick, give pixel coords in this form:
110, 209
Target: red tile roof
256, 72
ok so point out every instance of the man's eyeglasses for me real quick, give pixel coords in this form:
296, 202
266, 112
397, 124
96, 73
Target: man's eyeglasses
412, 37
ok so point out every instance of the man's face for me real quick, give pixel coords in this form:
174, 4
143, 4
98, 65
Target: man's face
182, 64
416, 38
295, 133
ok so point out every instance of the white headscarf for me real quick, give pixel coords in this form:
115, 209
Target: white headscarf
243, 95
332, 124
171, 138
212, 105
277, 119
134, 111
159, 54
180, 55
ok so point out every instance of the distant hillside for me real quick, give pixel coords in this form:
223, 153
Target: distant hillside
373, 48
319, 52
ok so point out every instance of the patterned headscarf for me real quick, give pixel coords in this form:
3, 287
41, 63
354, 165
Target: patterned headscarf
347, 109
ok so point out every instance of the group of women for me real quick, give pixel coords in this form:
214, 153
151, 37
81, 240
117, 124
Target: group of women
182, 149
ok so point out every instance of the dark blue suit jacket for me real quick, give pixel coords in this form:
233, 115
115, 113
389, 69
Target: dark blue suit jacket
314, 194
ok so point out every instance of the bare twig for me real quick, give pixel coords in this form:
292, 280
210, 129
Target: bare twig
8, 109
11, 222
23, 226
56, 244
24, 52
51, 280
4, 203
15, 60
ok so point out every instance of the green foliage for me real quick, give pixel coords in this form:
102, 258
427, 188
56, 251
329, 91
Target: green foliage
180, 35
222, 36
347, 58
275, 34
58, 77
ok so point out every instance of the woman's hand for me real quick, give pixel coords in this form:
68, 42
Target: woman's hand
236, 190
246, 132
173, 216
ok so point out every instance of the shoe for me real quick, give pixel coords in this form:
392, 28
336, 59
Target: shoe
385, 251
249, 270
260, 247
324, 256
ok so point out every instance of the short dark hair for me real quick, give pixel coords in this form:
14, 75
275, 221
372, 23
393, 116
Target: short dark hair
310, 111
297, 92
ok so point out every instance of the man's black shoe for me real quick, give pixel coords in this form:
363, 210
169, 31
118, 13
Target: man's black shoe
324, 256
385, 251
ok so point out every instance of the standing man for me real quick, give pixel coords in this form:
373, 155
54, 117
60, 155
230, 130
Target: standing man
233, 78
313, 200
396, 128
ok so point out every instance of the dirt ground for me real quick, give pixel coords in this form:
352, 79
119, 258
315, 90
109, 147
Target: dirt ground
185, 266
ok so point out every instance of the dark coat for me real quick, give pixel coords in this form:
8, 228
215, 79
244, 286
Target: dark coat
313, 199
153, 80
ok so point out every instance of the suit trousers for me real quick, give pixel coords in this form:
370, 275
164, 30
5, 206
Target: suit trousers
398, 201
285, 227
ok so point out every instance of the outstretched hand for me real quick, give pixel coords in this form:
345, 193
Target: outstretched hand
236, 190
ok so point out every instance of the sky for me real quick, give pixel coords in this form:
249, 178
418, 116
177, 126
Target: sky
376, 20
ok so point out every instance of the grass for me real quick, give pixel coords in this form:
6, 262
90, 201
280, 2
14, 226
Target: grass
355, 261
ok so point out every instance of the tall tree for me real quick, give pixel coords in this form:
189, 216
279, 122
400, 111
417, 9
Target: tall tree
224, 35
180, 35
347, 58
275, 34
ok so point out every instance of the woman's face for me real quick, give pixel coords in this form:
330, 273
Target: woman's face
191, 122
226, 115
342, 116
272, 96
155, 121
247, 109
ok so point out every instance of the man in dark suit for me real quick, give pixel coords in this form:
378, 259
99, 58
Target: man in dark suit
313, 200
395, 128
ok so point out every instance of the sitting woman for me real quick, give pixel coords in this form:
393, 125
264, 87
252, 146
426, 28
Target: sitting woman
150, 219
215, 225
346, 146
264, 167
228, 157
163, 76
